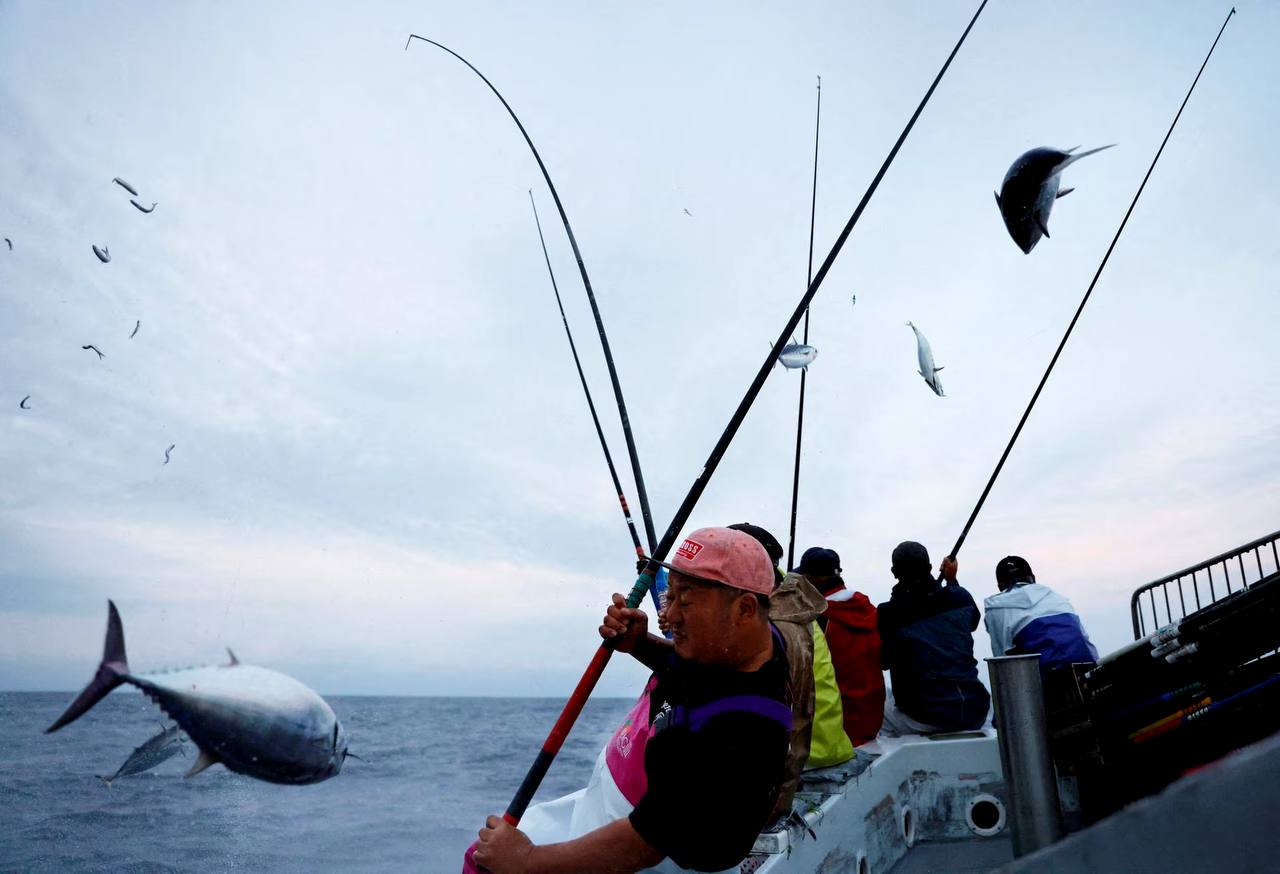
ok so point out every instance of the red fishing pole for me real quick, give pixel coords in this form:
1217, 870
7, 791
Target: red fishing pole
573, 707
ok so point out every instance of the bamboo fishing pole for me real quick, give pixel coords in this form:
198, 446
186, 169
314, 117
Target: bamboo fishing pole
595, 419
804, 372
578, 698
641, 494
955, 550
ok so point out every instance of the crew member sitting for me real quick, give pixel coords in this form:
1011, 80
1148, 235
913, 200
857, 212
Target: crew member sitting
1026, 617
849, 624
719, 717
926, 645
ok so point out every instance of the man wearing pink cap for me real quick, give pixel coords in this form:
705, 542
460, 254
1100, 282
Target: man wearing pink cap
719, 719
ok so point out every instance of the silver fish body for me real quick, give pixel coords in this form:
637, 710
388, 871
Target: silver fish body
795, 356
256, 721
928, 369
1030, 189
103, 254
164, 746
126, 186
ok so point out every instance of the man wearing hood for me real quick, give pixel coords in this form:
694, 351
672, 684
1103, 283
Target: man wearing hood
818, 739
1026, 617
926, 645
849, 624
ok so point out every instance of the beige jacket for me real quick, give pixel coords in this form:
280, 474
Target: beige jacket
792, 608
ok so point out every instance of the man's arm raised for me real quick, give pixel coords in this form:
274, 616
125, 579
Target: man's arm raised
629, 629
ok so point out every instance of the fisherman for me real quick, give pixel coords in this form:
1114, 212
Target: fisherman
719, 717
1026, 617
849, 625
926, 645
818, 739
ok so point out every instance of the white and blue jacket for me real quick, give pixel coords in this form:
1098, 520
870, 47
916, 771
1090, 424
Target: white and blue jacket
1031, 618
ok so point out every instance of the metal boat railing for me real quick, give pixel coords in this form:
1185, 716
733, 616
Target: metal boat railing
1183, 593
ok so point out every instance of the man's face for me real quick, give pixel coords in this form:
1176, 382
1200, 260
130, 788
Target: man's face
701, 617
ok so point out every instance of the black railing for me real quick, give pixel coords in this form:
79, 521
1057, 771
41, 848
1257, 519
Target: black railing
1181, 594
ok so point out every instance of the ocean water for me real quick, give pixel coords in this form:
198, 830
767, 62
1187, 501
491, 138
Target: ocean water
435, 768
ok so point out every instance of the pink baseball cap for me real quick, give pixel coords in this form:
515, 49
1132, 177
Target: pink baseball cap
723, 555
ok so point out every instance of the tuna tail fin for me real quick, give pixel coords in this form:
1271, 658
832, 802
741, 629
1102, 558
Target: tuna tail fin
111, 672
1075, 158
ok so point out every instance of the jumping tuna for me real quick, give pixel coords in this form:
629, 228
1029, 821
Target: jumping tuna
103, 255
254, 721
126, 186
1029, 190
141, 207
797, 356
927, 368
164, 746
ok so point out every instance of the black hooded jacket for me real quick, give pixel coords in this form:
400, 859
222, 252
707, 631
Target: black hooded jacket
926, 645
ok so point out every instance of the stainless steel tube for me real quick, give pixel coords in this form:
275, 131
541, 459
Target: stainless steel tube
1032, 786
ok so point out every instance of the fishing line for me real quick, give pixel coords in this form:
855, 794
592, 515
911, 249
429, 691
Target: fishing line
641, 494
804, 372
1018, 430
578, 698
595, 419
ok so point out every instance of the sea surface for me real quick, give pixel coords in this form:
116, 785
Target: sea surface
433, 769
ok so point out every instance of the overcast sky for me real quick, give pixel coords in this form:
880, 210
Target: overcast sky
385, 479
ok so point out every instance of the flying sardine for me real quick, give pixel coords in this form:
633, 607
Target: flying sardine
797, 356
255, 721
927, 368
143, 208
126, 186
1030, 187
164, 746
103, 255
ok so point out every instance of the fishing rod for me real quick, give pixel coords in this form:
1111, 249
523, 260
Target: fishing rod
641, 494
1054, 360
804, 372
591, 675
595, 419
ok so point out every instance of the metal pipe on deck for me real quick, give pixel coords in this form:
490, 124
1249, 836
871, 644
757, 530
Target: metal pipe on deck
1035, 816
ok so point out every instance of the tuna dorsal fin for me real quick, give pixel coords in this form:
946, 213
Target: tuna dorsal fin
1064, 192
1040, 225
204, 761
234, 661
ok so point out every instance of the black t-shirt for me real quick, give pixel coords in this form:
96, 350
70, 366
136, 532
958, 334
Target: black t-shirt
713, 767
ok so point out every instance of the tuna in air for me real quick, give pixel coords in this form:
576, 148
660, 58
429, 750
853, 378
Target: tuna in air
927, 368
255, 721
797, 356
164, 746
1030, 188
